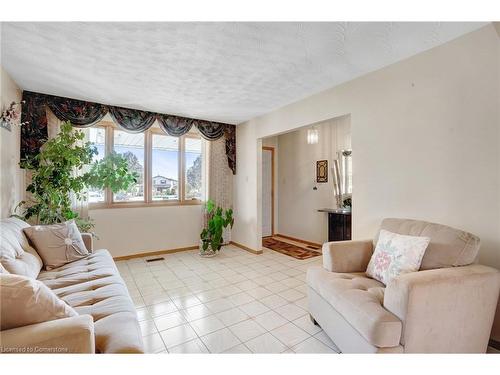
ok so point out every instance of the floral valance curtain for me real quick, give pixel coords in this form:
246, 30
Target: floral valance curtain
210, 130
174, 125
79, 113
84, 114
132, 120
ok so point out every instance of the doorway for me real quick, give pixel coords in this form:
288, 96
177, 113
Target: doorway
302, 197
267, 191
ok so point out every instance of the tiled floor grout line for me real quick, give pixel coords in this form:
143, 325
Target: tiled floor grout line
249, 318
193, 270
229, 327
142, 297
233, 284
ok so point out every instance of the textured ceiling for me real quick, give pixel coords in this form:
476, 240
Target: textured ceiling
227, 72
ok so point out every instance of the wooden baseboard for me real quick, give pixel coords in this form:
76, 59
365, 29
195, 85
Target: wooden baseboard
299, 240
177, 250
250, 250
159, 252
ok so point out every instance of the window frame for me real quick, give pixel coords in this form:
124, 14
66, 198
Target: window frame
148, 201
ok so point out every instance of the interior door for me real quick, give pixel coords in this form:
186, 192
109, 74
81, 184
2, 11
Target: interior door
267, 192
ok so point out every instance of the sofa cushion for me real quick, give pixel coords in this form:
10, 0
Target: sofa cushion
96, 266
2, 269
93, 286
57, 244
359, 300
16, 254
27, 301
448, 247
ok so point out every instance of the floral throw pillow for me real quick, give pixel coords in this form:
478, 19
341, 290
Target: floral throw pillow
396, 254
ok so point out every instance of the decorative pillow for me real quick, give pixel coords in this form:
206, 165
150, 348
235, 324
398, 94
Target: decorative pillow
57, 244
396, 254
28, 301
16, 254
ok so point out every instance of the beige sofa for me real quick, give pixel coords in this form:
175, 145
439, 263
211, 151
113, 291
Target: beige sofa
446, 307
107, 321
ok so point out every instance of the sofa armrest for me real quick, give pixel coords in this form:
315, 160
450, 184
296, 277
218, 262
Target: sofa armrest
67, 335
88, 240
445, 310
347, 256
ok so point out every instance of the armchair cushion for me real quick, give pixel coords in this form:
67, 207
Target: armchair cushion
347, 256
359, 300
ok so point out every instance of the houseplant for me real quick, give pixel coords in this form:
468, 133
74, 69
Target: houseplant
58, 172
211, 235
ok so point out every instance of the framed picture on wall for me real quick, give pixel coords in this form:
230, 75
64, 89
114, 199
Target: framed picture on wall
322, 171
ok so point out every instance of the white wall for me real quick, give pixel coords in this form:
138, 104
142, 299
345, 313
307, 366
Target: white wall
11, 176
126, 231
247, 228
425, 132
298, 202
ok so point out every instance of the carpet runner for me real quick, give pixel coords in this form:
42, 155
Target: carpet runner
289, 249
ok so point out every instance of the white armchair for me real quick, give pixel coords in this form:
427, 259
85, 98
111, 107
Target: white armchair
446, 307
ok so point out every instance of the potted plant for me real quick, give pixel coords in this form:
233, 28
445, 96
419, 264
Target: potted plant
211, 236
347, 202
57, 173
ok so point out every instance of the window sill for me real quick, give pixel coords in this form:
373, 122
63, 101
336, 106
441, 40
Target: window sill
105, 206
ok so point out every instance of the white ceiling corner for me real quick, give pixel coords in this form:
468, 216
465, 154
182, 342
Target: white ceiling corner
228, 72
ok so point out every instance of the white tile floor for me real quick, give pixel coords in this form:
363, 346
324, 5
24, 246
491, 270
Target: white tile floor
236, 302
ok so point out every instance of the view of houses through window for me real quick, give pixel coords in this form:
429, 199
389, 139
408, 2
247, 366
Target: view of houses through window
174, 173
165, 167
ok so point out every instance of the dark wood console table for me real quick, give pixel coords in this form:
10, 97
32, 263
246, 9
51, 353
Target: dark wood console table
339, 224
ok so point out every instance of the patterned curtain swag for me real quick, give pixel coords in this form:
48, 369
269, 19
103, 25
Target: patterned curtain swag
83, 114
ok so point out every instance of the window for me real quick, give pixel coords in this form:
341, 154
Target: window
165, 167
171, 169
97, 136
193, 168
131, 147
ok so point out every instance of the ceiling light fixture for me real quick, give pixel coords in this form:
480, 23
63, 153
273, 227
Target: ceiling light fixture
312, 136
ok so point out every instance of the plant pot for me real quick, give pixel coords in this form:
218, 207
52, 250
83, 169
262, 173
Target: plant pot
209, 252
226, 235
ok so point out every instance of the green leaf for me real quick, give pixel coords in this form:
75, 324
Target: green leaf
210, 206
218, 219
54, 178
